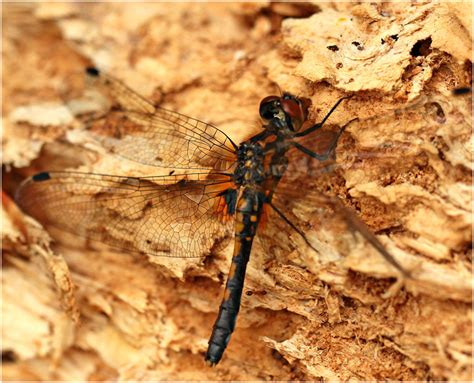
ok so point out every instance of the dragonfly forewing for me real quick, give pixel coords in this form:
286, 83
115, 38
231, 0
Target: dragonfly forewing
142, 132
159, 216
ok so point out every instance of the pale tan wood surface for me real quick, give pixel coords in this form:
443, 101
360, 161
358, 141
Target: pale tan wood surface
75, 311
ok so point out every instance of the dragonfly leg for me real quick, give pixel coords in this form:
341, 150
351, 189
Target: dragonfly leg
96, 117
320, 124
260, 136
292, 225
319, 157
324, 156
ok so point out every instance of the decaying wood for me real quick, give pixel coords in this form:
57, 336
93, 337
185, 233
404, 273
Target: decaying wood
72, 310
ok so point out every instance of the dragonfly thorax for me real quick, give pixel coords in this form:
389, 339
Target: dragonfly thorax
250, 169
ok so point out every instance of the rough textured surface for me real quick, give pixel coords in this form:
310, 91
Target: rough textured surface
72, 311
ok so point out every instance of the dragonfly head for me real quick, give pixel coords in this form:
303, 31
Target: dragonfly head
286, 110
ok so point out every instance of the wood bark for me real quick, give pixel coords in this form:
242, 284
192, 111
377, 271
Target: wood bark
74, 311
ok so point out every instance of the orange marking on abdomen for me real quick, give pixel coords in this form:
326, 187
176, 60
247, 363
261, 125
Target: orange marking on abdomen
226, 294
233, 267
239, 223
237, 246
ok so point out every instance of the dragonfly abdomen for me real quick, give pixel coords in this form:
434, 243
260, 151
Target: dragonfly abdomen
248, 212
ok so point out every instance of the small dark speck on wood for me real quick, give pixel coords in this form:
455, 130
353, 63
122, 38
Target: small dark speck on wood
421, 47
358, 45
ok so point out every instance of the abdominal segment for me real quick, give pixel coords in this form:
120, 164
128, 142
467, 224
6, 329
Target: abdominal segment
248, 212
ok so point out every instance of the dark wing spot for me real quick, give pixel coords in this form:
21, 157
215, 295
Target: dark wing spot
9, 356
461, 91
91, 71
44, 176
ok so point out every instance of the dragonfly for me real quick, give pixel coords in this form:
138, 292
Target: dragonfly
215, 187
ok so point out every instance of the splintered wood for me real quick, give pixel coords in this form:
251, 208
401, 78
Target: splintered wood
74, 310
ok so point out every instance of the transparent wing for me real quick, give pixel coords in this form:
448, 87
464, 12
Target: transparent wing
317, 221
171, 216
307, 207
368, 156
156, 136
348, 159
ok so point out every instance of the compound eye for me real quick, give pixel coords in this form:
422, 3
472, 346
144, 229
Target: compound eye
293, 109
269, 99
269, 107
